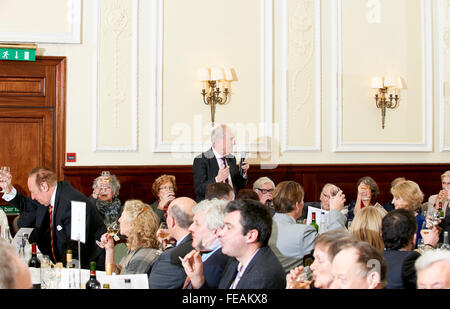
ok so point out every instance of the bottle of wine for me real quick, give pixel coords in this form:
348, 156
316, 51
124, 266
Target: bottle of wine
93, 283
441, 211
70, 269
35, 268
313, 222
69, 258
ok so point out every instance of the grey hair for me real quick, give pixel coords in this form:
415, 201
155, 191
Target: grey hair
214, 212
182, 218
8, 268
219, 132
262, 180
113, 181
326, 187
431, 257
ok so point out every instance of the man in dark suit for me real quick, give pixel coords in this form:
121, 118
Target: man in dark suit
245, 236
218, 164
399, 236
52, 230
167, 271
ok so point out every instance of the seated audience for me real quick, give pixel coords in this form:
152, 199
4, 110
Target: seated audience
139, 223
367, 192
167, 271
14, 273
327, 245
105, 198
290, 240
442, 199
328, 190
408, 195
433, 270
245, 236
358, 265
247, 194
163, 189
219, 190
208, 221
366, 226
399, 236
390, 205
264, 187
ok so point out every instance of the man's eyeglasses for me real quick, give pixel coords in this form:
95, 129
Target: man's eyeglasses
264, 191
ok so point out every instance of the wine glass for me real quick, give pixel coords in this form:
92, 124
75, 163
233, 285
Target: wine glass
104, 183
162, 234
304, 280
112, 229
4, 174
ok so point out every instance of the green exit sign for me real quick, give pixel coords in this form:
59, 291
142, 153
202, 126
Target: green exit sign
10, 209
17, 54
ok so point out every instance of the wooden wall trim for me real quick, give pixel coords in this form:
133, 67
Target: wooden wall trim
136, 181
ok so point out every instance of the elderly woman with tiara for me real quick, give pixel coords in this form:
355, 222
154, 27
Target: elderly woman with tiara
139, 223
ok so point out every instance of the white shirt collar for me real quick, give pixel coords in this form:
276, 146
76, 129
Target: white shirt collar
52, 200
216, 154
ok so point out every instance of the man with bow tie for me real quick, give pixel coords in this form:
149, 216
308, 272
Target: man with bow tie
52, 230
218, 164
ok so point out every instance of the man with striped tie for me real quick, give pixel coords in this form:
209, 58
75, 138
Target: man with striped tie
52, 231
218, 164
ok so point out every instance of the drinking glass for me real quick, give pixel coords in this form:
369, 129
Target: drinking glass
163, 234
104, 183
113, 229
4, 174
304, 280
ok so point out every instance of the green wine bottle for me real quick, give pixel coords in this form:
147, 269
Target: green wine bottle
93, 283
313, 222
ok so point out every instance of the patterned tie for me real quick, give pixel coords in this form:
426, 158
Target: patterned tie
50, 210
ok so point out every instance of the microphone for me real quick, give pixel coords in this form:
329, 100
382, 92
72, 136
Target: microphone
241, 171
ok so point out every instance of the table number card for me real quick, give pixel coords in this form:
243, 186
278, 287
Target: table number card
78, 228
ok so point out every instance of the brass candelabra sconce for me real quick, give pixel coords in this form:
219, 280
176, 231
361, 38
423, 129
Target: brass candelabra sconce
216, 85
388, 94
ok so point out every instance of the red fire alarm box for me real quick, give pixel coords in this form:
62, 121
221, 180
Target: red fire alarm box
71, 157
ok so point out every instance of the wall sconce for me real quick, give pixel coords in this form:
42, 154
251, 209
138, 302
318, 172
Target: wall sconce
388, 93
211, 90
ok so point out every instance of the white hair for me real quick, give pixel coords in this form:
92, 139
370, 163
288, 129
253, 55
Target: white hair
431, 257
262, 180
219, 132
214, 212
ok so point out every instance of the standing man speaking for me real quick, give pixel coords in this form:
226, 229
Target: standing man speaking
218, 164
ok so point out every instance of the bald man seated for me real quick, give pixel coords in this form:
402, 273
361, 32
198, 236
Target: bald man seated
167, 271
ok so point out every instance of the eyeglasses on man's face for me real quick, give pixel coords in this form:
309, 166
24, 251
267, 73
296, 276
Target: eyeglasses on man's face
264, 191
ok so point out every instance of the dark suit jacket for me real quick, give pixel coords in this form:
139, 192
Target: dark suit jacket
263, 272
27, 215
65, 193
205, 169
401, 273
167, 271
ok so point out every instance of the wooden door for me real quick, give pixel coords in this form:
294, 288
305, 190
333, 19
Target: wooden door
32, 105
